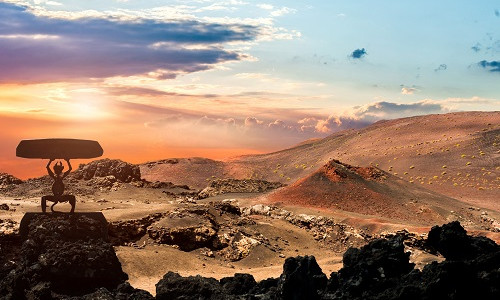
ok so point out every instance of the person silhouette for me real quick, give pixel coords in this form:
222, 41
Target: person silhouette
58, 186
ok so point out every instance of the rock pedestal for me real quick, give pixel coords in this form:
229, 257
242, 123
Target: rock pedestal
63, 254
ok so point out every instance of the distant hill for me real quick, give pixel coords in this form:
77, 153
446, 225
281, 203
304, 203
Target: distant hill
371, 191
456, 154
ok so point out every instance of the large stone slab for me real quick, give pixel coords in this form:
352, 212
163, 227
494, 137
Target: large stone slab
59, 149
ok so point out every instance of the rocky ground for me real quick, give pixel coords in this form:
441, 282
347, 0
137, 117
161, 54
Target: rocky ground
69, 257
157, 227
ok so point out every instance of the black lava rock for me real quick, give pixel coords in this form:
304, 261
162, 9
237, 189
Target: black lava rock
452, 241
302, 278
174, 286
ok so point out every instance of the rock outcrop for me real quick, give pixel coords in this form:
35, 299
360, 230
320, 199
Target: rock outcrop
188, 229
124, 232
452, 241
65, 255
224, 186
66, 258
105, 168
302, 278
7, 179
379, 270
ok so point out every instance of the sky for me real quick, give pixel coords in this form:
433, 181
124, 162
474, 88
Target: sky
158, 79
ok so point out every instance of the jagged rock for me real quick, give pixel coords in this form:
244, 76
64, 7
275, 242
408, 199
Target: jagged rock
365, 268
227, 206
7, 179
189, 229
66, 254
452, 241
238, 247
120, 170
4, 206
8, 227
174, 286
125, 232
302, 278
223, 186
266, 288
336, 236
126, 291
381, 270
240, 284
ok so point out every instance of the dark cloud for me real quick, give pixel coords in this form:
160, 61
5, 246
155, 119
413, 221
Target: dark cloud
358, 53
493, 66
38, 48
476, 47
441, 67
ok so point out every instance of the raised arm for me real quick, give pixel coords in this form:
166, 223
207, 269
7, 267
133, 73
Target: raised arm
69, 168
51, 174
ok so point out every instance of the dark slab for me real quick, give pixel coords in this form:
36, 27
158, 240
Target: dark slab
59, 149
98, 216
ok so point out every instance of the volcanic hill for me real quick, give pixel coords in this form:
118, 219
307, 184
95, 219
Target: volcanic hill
371, 192
455, 154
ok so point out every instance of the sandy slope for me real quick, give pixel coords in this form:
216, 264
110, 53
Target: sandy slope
456, 154
372, 192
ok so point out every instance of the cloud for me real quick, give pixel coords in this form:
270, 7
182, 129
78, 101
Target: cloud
497, 12
358, 53
389, 110
408, 90
441, 67
493, 66
476, 47
39, 48
265, 6
283, 11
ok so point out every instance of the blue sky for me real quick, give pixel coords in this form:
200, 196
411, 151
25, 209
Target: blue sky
213, 78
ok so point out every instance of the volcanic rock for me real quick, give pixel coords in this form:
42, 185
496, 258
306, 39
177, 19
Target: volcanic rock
189, 229
302, 278
63, 255
371, 267
223, 186
125, 232
174, 286
227, 206
381, 270
452, 241
120, 170
8, 227
7, 179
238, 247
239, 284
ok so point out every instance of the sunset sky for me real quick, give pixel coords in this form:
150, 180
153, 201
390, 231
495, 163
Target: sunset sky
158, 79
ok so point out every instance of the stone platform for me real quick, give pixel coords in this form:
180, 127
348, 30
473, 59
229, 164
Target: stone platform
71, 218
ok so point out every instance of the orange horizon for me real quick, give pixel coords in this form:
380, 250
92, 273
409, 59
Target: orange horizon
32, 168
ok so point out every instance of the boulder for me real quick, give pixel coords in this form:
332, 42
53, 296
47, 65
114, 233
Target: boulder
174, 286
239, 284
63, 254
125, 232
7, 179
381, 270
302, 278
452, 241
189, 229
120, 170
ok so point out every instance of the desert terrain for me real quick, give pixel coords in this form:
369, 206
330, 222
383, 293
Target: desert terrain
197, 216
